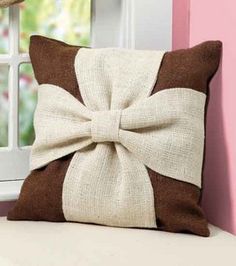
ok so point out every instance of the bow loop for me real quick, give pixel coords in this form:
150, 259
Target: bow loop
105, 126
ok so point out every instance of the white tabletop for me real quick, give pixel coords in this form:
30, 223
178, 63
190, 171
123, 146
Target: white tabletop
72, 244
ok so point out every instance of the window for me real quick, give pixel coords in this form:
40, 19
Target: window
60, 19
99, 23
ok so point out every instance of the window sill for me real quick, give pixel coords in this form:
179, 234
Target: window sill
10, 190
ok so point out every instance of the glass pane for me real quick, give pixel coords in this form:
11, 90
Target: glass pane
67, 20
4, 32
27, 103
4, 105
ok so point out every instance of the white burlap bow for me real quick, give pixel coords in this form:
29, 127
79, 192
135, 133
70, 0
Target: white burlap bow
117, 134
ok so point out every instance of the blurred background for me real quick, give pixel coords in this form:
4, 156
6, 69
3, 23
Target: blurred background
67, 20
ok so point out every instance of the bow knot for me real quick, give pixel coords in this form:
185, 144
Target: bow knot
105, 126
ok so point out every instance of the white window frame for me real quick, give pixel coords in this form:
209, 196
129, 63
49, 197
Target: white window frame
14, 160
147, 24
122, 23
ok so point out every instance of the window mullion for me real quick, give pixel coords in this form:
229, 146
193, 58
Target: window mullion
13, 76
5, 59
23, 58
127, 24
14, 29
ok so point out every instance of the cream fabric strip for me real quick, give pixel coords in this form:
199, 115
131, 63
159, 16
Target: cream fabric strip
118, 191
114, 79
119, 132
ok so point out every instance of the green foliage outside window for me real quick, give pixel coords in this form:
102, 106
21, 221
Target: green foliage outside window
68, 20
3, 105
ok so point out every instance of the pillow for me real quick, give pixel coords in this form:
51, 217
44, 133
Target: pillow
119, 136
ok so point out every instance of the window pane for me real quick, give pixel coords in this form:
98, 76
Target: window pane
27, 103
4, 105
4, 32
59, 19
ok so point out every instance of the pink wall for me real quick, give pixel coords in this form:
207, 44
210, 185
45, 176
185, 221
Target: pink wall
180, 24
215, 19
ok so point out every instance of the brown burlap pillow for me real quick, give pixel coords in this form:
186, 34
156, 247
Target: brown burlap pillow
176, 124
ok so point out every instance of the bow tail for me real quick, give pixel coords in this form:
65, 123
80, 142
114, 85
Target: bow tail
107, 185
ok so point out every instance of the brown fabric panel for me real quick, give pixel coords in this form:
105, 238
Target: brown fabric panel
53, 63
177, 206
177, 203
190, 68
41, 194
